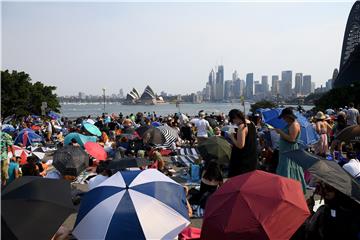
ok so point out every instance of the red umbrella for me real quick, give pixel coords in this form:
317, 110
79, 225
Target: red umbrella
22, 153
255, 205
95, 150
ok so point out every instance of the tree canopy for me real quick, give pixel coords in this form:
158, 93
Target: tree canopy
262, 104
21, 97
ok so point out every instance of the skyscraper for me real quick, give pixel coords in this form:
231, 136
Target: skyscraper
306, 89
286, 83
259, 91
249, 93
237, 88
298, 83
212, 85
220, 83
274, 84
228, 92
235, 76
265, 84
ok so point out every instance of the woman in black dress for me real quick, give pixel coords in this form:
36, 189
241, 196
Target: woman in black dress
243, 155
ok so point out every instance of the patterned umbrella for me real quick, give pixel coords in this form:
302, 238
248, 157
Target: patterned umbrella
22, 153
70, 160
27, 137
170, 135
38, 152
133, 205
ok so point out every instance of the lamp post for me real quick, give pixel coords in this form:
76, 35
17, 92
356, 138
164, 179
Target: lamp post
104, 98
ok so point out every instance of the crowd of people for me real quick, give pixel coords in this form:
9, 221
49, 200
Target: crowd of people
254, 145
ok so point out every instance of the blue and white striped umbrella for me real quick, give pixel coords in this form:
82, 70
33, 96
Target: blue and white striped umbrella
133, 205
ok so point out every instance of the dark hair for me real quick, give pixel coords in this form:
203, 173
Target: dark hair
213, 172
236, 113
351, 105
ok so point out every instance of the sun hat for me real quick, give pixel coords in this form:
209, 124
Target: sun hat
320, 116
287, 112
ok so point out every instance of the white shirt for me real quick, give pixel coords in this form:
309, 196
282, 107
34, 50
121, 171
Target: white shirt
96, 181
202, 126
353, 168
351, 116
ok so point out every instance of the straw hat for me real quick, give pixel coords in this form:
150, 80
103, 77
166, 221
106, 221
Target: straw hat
320, 116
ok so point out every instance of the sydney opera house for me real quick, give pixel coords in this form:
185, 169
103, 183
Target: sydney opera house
148, 97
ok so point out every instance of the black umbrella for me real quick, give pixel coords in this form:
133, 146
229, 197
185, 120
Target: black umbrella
327, 171
70, 160
154, 136
349, 134
216, 148
123, 163
32, 203
141, 130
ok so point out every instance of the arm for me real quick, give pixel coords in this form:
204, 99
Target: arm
241, 135
294, 130
318, 127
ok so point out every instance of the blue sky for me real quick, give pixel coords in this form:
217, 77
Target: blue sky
170, 46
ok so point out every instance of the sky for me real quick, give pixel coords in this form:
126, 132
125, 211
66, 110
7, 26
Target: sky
87, 46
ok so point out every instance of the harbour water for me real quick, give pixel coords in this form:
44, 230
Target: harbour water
96, 109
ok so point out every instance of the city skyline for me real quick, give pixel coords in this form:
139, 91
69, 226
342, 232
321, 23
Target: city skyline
87, 46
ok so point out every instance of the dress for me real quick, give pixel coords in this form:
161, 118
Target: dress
245, 159
287, 167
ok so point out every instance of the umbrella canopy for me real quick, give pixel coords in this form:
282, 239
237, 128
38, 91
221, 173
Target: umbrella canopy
89, 120
156, 124
170, 135
141, 130
154, 136
123, 163
215, 148
349, 134
70, 160
8, 128
96, 150
22, 153
133, 205
327, 171
53, 115
308, 135
27, 137
92, 129
30, 201
80, 138
255, 205
38, 152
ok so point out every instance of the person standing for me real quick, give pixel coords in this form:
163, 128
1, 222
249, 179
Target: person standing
202, 127
352, 115
243, 154
13, 170
322, 128
289, 141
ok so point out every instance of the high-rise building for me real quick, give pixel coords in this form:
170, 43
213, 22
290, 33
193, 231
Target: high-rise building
212, 85
298, 83
249, 92
306, 89
207, 92
258, 88
265, 84
82, 95
220, 83
286, 83
237, 88
274, 84
228, 89
235, 76
242, 87
329, 84
121, 93
312, 90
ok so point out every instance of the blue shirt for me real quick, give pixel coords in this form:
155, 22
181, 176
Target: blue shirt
11, 171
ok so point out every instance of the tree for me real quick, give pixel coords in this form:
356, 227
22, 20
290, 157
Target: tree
20, 97
262, 104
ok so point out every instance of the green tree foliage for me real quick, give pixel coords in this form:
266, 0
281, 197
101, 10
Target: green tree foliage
339, 97
262, 104
20, 97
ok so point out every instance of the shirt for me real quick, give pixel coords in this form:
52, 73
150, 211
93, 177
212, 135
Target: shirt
202, 126
96, 181
351, 116
5, 142
11, 171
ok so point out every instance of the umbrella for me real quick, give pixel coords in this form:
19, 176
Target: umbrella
154, 136
129, 136
53, 115
27, 137
96, 150
133, 205
349, 134
170, 135
38, 152
156, 124
89, 120
8, 128
255, 205
141, 130
215, 148
308, 135
212, 122
92, 129
80, 138
70, 160
22, 153
121, 164
30, 201
327, 171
